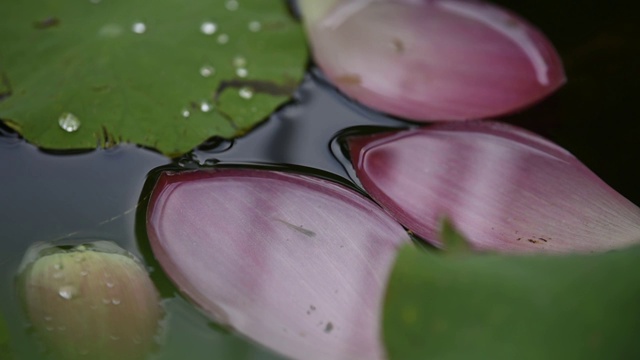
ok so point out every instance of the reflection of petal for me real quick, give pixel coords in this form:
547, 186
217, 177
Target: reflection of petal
296, 263
506, 189
432, 60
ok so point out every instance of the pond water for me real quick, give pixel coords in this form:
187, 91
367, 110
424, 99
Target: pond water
79, 196
71, 197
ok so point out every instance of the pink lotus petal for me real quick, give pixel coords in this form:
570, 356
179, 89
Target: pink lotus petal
505, 188
432, 59
296, 263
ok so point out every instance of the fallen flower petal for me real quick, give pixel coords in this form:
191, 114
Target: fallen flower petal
505, 188
432, 59
298, 264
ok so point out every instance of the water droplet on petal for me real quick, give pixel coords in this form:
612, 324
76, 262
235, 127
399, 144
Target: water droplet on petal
255, 26
245, 92
139, 28
110, 284
68, 292
223, 39
242, 72
106, 301
69, 122
57, 266
207, 71
115, 301
208, 28
232, 5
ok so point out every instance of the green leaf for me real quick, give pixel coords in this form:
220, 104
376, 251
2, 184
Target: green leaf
513, 307
84, 58
453, 241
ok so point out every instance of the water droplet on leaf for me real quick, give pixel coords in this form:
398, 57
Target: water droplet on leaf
139, 28
208, 28
223, 39
232, 5
69, 122
110, 30
205, 106
239, 62
246, 93
207, 71
255, 26
242, 72
185, 113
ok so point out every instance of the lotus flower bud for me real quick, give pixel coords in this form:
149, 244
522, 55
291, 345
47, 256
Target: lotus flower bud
505, 188
94, 301
432, 59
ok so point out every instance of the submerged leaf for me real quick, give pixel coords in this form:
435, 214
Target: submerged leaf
161, 74
93, 301
432, 60
513, 307
296, 263
503, 187
5, 351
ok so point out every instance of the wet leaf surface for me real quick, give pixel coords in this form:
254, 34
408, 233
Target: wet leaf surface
499, 307
161, 74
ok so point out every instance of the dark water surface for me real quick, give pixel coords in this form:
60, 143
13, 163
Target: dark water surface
95, 194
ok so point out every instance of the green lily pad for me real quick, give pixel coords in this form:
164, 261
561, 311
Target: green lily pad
166, 74
513, 307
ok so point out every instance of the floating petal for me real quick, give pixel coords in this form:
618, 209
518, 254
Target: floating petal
298, 264
432, 59
505, 188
